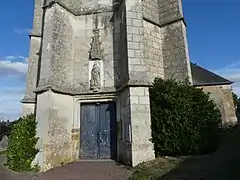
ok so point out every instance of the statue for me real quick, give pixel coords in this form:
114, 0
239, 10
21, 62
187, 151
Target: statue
95, 77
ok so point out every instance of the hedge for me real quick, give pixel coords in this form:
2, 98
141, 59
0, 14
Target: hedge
21, 150
185, 121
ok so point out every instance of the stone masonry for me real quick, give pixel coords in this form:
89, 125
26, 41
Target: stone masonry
128, 42
222, 96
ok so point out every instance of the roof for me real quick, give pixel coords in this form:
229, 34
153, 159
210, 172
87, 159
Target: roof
204, 77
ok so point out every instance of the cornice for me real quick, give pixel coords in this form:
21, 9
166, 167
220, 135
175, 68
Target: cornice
78, 11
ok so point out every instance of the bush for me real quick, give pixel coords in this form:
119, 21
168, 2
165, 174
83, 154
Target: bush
184, 119
21, 150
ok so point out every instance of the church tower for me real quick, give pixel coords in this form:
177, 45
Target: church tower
91, 64
29, 100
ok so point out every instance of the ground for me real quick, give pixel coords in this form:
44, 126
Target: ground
221, 165
102, 170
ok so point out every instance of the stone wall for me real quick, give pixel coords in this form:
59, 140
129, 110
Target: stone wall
139, 41
134, 145
56, 49
83, 33
175, 51
222, 96
153, 56
28, 108
142, 146
66, 46
38, 18
54, 129
124, 141
33, 60
32, 75
137, 69
174, 40
122, 45
151, 10
169, 11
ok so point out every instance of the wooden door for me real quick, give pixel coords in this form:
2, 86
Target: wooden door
98, 131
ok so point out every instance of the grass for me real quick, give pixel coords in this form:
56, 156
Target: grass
3, 153
155, 169
221, 165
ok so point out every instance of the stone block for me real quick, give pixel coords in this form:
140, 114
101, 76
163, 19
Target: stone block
140, 108
134, 100
137, 91
142, 156
28, 108
144, 100
133, 45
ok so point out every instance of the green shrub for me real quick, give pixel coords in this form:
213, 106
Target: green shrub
21, 150
184, 119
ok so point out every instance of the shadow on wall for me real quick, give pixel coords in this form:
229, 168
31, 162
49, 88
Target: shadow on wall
222, 165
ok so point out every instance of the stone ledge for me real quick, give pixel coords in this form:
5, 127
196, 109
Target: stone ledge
161, 25
76, 91
68, 91
27, 100
32, 34
78, 11
212, 84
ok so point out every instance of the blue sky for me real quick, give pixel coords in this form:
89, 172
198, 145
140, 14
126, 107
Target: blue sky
213, 37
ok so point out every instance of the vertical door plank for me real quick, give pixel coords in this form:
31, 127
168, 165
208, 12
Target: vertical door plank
89, 130
104, 131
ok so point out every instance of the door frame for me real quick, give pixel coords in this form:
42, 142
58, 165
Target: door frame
99, 101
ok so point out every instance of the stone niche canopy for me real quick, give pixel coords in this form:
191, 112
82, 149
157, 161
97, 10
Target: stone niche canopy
96, 52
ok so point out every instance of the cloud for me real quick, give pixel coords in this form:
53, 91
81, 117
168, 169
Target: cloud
11, 92
13, 70
231, 72
22, 31
14, 65
15, 57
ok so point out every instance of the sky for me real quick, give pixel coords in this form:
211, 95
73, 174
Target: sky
213, 28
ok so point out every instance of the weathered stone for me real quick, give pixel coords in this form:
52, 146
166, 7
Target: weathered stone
175, 51
130, 52
82, 7
222, 96
151, 10
130, 42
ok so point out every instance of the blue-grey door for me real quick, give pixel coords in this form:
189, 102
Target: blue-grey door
98, 131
